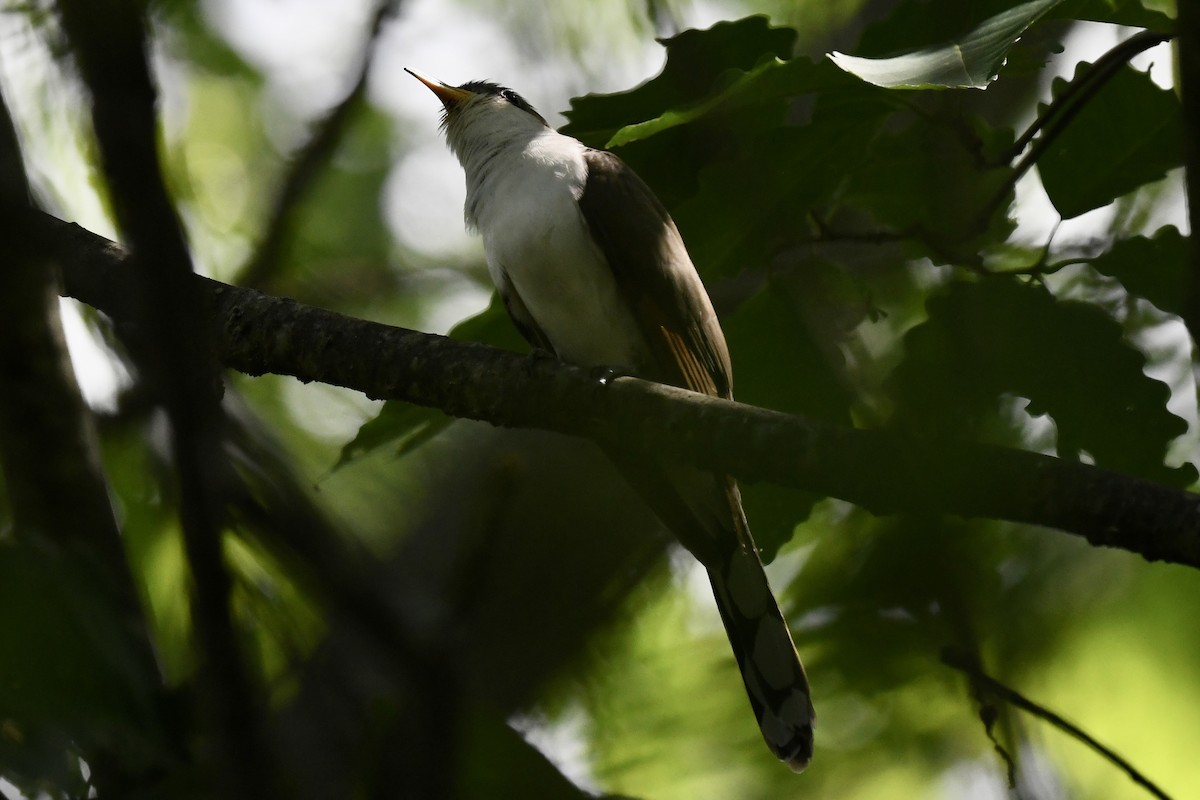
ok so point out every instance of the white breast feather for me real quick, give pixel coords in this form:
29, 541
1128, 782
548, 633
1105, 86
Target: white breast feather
534, 232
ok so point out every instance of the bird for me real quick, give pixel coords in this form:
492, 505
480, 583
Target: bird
592, 269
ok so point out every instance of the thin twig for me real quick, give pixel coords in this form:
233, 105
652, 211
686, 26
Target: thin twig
982, 681
988, 715
309, 160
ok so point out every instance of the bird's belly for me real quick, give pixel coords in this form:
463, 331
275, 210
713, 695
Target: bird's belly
567, 286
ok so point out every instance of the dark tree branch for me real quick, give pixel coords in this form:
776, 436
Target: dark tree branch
48, 446
310, 159
982, 683
49, 453
883, 472
108, 39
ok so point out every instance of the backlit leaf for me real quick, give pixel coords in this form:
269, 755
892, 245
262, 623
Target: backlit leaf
1156, 268
1127, 135
970, 62
1000, 337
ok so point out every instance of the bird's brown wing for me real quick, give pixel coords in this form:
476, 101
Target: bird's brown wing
656, 278
686, 347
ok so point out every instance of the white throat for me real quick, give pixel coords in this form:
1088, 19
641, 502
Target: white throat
542, 170
504, 150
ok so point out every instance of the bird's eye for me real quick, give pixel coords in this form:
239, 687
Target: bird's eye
515, 100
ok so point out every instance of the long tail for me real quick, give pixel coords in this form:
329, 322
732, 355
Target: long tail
775, 680
704, 511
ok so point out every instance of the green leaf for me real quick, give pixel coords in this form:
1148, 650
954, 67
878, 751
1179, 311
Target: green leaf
743, 167
1129, 134
779, 364
970, 62
1118, 12
1000, 337
936, 179
402, 425
68, 679
499, 762
672, 117
697, 64
747, 206
722, 137
1156, 268
772, 80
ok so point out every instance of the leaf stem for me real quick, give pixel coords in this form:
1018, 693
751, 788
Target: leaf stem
1059, 113
1079, 91
983, 682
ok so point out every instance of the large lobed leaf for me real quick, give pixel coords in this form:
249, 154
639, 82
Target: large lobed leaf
698, 61
1129, 134
1153, 267
1069, 359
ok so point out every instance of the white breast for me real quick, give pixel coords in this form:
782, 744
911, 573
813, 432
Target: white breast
535, 234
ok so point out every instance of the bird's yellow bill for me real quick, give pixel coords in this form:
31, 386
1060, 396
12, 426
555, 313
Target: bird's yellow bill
449, 95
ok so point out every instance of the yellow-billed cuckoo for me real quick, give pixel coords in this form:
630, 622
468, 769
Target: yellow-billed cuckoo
592, 268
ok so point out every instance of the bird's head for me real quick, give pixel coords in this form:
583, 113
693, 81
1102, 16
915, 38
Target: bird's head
482, 114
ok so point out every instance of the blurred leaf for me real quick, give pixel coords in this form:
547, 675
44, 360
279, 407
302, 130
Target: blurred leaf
67, 674
498, 762
1031, 53
1156, 268
1069, 359
1127, 135
972, 61
282, 621
337, 251
670, 720
402, 425
934, 176
777, 362
195, 41
759, 197
779, 365
490, 326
